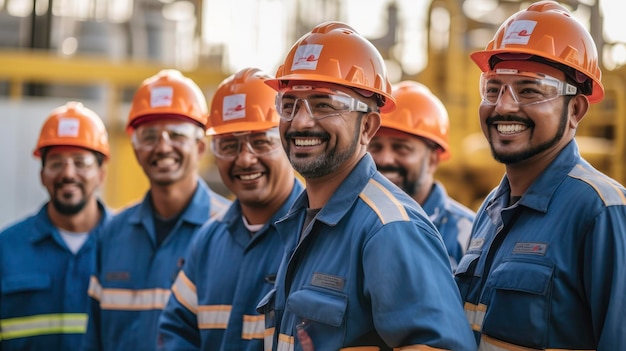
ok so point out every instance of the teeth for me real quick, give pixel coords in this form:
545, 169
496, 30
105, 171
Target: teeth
166, 162
511, 128
307, 142
250, 176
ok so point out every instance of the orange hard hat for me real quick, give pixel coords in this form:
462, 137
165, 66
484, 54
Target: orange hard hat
243, 102
419, 112
73, 125
549, 31
334, 52
168, 94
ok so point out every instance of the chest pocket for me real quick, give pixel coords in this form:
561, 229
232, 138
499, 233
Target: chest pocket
318, 315
521, 292
25, 283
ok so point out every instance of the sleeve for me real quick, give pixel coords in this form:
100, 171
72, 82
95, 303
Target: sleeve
178, 324
417, 273
605, 282
92, 340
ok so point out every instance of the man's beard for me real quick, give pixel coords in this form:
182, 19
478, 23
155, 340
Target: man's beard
69, 209
526, 154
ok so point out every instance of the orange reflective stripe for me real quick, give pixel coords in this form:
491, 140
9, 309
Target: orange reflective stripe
185, 292
134, 300
491, 344
214, 316
475, 315
253, 327
417, 348
268, 337
285, 343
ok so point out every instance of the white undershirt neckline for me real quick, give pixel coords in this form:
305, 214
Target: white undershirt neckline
252, 228
74, 241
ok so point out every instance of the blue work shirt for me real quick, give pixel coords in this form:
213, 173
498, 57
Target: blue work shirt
43, 285
133, 275
370, 270
548, 271
228, 271
452, 220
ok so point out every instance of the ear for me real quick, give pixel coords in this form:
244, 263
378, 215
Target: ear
433, 160
577, 108
202, 146
370, 123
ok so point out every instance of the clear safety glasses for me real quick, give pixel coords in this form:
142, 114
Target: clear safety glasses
82, 163
526, 88
148, 136
228, 147
319, 102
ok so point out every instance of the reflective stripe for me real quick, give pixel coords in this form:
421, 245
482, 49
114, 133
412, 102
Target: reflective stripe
61, 323
126, 299
253, 327
361, 348
218, 207
608, 190
417, 348
185, 292
95, 289
475, 315
214, 316
388, 208
268, 343
491, 344
285, 343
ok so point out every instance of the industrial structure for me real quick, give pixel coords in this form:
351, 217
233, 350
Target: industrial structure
99, 51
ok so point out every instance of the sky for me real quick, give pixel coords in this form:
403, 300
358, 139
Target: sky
258, 35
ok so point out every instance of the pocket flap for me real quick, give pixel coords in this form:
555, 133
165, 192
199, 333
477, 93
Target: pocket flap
25, 282
267, 302
527, 277
321, 307
465, 263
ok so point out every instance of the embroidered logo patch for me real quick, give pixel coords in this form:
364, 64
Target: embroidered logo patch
306, 57
519, 32
117, 276
328, 281
161, 96
234, 107
530, 248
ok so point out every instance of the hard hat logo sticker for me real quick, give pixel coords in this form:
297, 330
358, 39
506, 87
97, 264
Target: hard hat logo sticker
519, 32
234, 107
68, 127
161, 96
306, 57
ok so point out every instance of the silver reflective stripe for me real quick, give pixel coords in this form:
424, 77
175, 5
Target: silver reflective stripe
134, 300
185, 292
285, 343
388, 208
253, 327
45, 324
606, 188
268, 343
475, 315
491, 344
95, 289
213, 317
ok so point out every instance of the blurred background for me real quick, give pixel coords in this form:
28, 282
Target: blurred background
99, 51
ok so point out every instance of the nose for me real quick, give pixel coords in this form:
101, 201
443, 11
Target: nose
164, 142
245, 158
69, 169
302, 118
383, 156
506, 101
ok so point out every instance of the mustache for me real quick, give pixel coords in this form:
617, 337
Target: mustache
64, 182
509, 118
389, 169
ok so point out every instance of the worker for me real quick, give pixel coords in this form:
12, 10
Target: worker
142, 249
234, 259
364, 266
407, 149
46, 259
544, 267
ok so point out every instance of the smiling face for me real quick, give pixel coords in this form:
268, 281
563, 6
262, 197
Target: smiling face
72, 176
517, 134
320, 147
257, 170
168, 150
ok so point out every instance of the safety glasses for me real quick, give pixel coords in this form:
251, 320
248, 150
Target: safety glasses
526, 88
148, 136
319, 102
228, 147
82, 163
